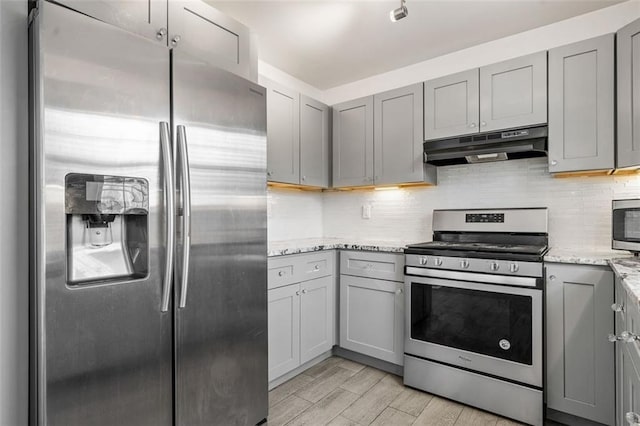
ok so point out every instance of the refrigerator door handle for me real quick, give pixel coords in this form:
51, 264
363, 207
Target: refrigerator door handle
186, 212
170, 200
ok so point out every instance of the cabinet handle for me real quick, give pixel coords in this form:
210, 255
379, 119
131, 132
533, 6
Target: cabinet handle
281, 273
483, 123
304, 178
175, 40
628, 337
472, 125
269, 173
617, 307
297, 293
613, 338
161, 33
399, 291
632, 418
552, 277
554, 163
316, 268
304, 291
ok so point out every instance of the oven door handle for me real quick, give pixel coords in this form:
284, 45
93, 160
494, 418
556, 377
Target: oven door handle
474, 277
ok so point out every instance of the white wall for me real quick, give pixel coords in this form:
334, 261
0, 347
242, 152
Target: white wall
14, 272
293, 214
579, 208
582, 27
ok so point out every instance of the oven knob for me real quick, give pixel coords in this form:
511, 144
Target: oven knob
494, 266
423, 261
464, 264
438, 261
514, 267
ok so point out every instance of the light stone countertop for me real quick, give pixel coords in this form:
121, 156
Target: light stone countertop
581, 256
628, 269
281, 248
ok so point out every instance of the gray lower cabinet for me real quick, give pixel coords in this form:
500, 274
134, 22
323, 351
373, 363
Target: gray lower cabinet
353, 143
145, 18
283, 134
627, 357
314, 143
580, 360
452, 105
397, 137
301, 310
581, 106
372, 310
513, 93
628, 82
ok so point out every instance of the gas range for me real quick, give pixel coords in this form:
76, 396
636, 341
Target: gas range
474, 310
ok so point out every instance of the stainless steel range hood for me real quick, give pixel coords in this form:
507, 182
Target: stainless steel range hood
486, 147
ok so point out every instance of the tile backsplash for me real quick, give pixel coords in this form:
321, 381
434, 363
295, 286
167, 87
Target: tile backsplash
579, 207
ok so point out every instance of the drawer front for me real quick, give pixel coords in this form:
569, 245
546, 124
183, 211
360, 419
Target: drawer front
285, 270
383, 266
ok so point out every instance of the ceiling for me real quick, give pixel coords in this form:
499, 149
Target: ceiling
330, 43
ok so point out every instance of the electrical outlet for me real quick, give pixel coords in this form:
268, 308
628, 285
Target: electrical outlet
366, 211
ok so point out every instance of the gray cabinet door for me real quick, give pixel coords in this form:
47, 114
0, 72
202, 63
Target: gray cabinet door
283, 329
628, 57
372, 317
581, 105
513, 93
620, 326
397, 136
283, 134
630, 388
147, 18
452, 105
316, 317
314, 143
353, 143
210, 35
580, 360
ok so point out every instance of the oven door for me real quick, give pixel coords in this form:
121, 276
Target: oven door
488, 328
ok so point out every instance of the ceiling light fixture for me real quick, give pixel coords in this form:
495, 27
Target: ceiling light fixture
399, 13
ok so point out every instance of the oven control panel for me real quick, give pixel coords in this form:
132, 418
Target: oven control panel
490, 266
484, 218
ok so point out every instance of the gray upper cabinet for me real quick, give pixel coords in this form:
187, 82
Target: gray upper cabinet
581, 106
500, 96
353, 143
452, 105
628, 57
397, 137
283, 134
147, 18
314, 142
208, 34
513, 93
580, 360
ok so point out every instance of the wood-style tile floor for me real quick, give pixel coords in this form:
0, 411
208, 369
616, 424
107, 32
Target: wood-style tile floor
339, 392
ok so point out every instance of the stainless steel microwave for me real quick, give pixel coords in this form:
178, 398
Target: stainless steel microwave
625, 225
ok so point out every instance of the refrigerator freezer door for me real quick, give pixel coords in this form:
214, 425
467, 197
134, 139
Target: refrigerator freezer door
221, 333
103, 350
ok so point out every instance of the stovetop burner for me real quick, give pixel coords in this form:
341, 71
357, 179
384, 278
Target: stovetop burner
482, 247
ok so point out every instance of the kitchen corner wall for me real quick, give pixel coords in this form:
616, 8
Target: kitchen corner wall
579, 207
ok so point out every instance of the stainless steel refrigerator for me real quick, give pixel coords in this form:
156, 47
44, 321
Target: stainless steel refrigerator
148, 295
